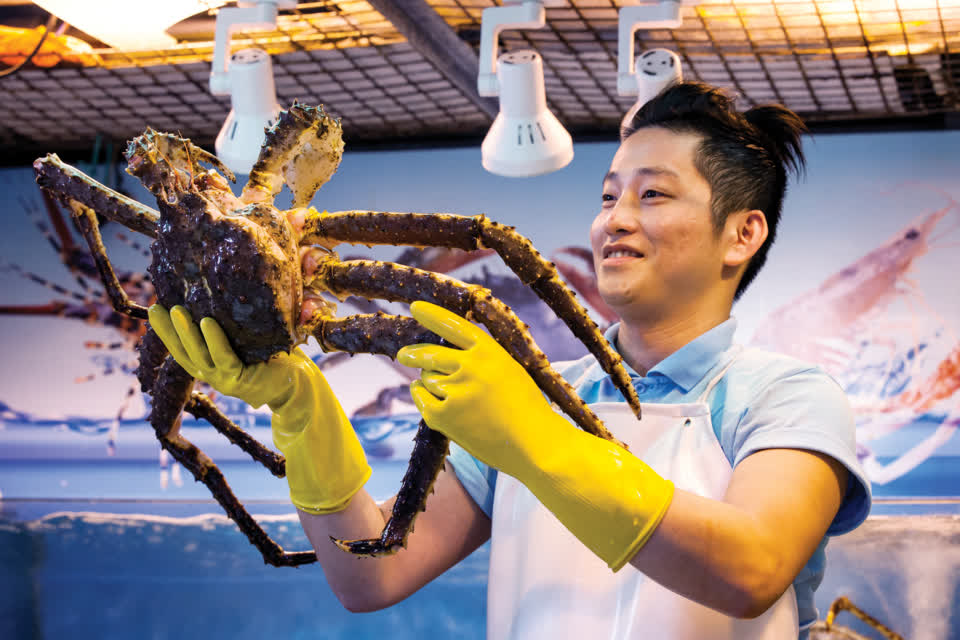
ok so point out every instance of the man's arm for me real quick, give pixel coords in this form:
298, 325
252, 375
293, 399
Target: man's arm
736, 555
451, 528
740, 554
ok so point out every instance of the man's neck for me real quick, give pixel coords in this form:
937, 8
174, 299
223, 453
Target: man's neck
643, 342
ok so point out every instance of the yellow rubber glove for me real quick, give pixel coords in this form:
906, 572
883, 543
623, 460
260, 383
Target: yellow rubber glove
483, 399
325, 462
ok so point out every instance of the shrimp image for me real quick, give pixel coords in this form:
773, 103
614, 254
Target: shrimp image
818, 325
838, 325
87, 303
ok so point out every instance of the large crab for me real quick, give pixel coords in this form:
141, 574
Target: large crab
267, 277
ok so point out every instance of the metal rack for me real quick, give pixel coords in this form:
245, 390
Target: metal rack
833, 61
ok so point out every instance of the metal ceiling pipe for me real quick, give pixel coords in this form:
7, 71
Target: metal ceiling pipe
430, 35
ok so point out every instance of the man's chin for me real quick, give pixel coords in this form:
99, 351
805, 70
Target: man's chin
620, 300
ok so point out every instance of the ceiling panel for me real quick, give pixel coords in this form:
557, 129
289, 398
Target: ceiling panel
838, 63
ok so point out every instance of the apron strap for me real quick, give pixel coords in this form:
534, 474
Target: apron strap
737, 349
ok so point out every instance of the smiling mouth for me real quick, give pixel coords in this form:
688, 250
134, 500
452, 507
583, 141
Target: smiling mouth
621, 253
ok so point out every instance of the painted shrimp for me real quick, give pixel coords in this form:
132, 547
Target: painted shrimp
819, 325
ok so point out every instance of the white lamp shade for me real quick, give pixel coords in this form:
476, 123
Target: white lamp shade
525, 139
254, 108
657, 69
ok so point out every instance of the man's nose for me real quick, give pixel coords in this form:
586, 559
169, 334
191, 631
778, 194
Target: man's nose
623, 217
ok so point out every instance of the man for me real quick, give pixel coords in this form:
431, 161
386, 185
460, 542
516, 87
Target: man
742, 463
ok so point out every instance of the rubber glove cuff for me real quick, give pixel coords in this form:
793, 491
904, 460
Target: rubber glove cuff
608, 498
325, 462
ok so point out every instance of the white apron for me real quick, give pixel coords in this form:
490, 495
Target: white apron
544, 583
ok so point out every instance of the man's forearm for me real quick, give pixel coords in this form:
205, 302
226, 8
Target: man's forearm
451, 528
713, 553
740, 554
361, 584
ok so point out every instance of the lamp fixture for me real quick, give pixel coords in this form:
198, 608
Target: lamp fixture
525, 139
254, 107
654, 70
248, 80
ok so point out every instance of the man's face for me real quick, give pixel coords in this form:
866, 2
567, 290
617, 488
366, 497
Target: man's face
654, 245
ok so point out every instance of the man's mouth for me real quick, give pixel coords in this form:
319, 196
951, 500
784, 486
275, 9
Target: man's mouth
620, 252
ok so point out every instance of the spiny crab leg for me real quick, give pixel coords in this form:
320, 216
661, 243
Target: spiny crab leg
303, 149
471, 234
69, 184
430, 449
397, 283
85, 219
376, 333
202, 407
153, 353
171, 392
385, 334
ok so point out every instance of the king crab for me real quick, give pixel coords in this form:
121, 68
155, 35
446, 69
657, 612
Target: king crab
266, 276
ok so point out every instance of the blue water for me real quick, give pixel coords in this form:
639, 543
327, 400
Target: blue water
94, 575
107, 575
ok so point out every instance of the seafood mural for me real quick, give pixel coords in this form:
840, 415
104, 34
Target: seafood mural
870, 327
870, 323
854, 325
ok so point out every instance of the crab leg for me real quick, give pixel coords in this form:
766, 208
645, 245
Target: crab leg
385, 334
201, 406
843, 603
171, 392
67, 183
377, 333
430, 450
153, 354
86, 221
303, 149
471, 234
374, 279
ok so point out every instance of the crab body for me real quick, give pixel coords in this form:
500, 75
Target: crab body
241, 268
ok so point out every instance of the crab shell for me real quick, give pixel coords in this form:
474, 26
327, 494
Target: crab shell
241, 268
236, 259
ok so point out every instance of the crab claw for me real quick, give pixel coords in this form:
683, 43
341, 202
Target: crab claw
167, 164
303, 149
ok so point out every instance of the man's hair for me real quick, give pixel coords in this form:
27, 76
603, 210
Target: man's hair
744, 157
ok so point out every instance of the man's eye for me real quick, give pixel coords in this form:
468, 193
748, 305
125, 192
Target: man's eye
651, 193
608, 197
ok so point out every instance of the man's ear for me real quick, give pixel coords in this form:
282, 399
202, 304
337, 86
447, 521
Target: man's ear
744, 232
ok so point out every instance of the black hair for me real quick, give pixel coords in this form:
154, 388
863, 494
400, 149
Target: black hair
744, 157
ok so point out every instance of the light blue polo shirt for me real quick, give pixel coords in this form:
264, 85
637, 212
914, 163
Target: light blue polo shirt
765, 400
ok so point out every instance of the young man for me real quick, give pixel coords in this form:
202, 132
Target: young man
741, 465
